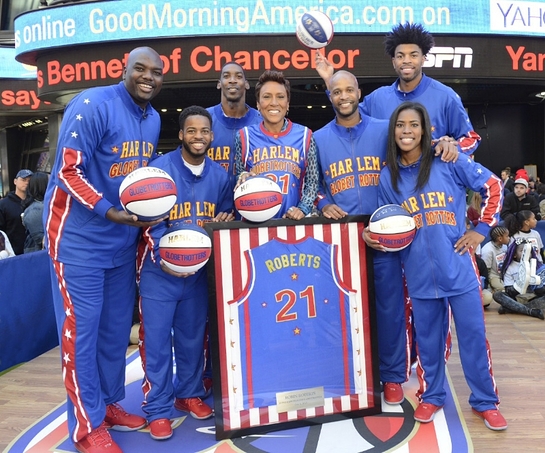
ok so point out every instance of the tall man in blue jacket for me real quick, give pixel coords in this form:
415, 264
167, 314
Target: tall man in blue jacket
229, 116
351, 153
408, 45
106, 133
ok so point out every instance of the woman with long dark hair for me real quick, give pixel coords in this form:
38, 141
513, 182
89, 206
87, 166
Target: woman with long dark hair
440, 274
32, 216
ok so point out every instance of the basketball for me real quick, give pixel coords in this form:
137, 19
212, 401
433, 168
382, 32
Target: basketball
314, 29
393, 227
258, 199
185, 248
148, 192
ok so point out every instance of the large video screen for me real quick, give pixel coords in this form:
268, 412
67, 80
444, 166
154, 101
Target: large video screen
111, 21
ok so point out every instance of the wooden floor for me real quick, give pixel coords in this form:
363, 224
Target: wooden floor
518, 353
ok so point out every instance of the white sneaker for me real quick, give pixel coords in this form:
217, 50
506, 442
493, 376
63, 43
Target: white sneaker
523, 278
134, 337
534, 279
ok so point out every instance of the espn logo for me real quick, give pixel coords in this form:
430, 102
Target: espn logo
457, 55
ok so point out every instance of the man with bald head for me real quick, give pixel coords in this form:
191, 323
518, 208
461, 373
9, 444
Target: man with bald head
106, 133
351, 152
352, 149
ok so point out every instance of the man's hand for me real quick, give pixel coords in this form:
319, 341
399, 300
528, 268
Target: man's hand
332, 211
224, 217
169, 271
324, 67
123, 217
243, 177
448, 148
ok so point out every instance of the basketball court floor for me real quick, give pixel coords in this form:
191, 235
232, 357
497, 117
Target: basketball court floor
32, 410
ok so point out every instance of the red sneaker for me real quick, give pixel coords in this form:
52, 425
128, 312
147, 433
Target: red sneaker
195, 406
98, 441
492, 419
393, 393
119, 420
160, 429
425, 412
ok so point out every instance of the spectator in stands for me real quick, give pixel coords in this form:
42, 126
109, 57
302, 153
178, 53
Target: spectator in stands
532, 189
474, 208
519, 201
493, 255
5, 246
507, 180
523, 225
11, 209
541, 193
486, 291
485, 282
520, 277
34, 208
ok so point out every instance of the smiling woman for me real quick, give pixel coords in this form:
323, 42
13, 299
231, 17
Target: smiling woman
279, 149
439, 267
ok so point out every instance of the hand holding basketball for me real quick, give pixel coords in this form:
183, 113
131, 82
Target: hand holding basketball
185, 248
392, 226
148, 192
125, 218
258, 199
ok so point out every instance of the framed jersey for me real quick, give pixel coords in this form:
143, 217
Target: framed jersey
292, 324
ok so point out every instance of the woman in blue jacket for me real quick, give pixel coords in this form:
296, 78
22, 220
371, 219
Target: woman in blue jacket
440, 274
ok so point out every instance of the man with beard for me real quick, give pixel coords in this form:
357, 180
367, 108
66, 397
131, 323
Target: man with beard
231, 115
452, 133
408, 45
351, 151
178, 302
106, 133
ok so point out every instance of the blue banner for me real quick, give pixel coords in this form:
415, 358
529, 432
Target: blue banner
107, 21
11, 69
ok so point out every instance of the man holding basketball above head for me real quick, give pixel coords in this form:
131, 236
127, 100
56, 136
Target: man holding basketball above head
230, 115
178, 302
408, 45
351, 151
106, 133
